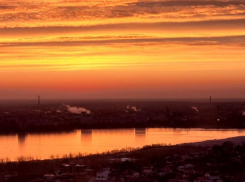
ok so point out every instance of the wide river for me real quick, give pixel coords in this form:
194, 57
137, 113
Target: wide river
42, 146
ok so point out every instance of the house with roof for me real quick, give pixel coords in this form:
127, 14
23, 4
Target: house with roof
102, 175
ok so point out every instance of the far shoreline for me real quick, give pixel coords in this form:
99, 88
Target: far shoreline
110, 128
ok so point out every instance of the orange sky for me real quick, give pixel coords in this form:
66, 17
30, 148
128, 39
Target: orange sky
122, 48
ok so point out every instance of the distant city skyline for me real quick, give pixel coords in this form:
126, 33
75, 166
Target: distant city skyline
122, 49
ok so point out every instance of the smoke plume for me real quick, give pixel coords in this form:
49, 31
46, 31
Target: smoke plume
195, 108
77, 110
133, 108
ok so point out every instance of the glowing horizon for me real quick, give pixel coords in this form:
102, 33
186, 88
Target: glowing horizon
122, 48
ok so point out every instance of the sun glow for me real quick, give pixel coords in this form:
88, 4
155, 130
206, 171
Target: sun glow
155, 48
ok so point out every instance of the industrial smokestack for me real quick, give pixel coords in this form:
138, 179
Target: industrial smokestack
210, 99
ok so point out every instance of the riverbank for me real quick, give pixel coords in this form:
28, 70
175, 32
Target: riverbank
236, 140
70, 129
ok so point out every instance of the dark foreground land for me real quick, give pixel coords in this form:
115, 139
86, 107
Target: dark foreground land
60, 115
211, 161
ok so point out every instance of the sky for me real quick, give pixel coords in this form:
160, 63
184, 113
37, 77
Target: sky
134, 49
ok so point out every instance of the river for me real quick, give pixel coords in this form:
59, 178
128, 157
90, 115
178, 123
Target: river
42, 146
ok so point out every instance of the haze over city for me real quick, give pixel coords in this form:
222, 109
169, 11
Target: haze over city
122, 90
122, 49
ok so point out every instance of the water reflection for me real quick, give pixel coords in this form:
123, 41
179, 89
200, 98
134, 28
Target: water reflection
21, 138
86, 137
140, 131
21, 142
140, 137
92, 141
